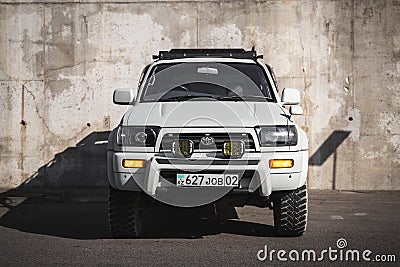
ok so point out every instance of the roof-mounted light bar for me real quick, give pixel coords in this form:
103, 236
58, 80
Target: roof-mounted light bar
193, 53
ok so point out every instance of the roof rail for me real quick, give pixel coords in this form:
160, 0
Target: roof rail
223, 53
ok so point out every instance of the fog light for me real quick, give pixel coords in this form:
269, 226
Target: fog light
183, 148
233, 149
133, 163
281, 163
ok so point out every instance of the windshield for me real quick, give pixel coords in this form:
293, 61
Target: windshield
205, 81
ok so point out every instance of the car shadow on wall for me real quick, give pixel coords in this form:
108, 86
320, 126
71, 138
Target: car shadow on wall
329, 147
68, 198
85, 164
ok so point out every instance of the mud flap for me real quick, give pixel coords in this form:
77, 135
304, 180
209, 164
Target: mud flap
151, 178
262, 181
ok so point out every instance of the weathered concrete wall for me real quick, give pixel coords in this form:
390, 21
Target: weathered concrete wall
61, 60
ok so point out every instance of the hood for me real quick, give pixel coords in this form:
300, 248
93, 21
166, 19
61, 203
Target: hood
206, 114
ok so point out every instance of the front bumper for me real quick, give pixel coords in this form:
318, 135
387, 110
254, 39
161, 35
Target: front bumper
158, 175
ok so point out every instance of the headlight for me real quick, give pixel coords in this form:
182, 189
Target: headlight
137, 136
277, 135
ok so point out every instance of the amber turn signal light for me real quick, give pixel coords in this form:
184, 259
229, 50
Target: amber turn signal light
281, 163
133, 163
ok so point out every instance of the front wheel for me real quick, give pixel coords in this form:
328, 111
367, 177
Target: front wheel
290, 211
125, 213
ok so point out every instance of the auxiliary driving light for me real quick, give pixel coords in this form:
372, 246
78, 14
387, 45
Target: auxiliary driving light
281, 163
133, 163
233, 149
183, 148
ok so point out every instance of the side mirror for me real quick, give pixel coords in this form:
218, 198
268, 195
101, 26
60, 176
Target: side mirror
296, 110
290, 96
123, 96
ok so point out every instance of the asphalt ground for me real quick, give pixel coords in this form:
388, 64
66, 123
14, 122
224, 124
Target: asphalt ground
66, 226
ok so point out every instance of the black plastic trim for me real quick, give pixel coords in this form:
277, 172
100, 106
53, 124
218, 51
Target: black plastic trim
207, 162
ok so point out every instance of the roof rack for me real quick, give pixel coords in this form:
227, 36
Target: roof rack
223, 53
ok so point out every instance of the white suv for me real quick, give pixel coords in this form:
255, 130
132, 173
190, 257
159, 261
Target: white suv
207, 126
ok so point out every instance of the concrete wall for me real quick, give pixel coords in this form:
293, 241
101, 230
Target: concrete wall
61, 60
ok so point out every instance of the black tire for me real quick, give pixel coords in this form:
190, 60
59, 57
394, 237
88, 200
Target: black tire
125, 213
290, 212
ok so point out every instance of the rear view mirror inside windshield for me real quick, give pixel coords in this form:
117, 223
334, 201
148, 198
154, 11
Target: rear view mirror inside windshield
207, 70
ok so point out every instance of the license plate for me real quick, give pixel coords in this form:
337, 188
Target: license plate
191, 179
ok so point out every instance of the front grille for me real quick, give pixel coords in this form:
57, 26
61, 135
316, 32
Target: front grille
219, 139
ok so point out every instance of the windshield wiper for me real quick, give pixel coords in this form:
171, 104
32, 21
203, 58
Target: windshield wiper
185, 97
243, 98
223, 98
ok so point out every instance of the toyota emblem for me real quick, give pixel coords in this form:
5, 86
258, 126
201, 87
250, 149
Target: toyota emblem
207, 140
